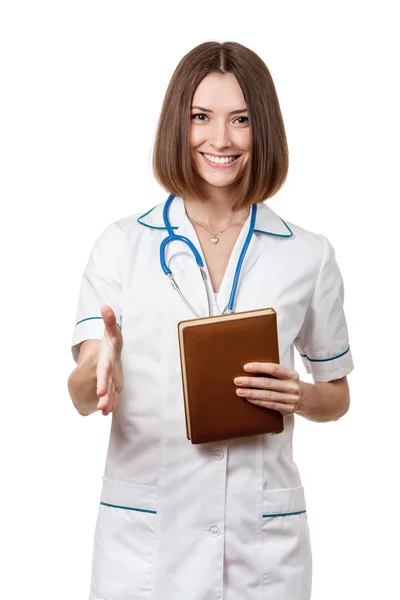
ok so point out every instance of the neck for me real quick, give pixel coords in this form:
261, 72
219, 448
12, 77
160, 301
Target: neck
216, 211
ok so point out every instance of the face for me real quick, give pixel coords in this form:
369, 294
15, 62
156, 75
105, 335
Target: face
219, 128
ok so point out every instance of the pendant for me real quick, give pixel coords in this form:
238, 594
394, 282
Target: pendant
214, 240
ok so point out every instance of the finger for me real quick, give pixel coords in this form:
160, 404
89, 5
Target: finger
102, 395
284, 409
103, 376
107, 408
115, 400
102, 403
110, 396
289, 386
274, 369
105, 399
266, 396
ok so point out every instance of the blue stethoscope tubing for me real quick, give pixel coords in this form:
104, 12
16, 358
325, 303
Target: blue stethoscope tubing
173, 237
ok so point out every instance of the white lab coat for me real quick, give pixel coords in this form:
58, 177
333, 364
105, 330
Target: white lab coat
224, 520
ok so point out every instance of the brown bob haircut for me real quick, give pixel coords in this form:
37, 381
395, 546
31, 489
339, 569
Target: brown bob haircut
267, 167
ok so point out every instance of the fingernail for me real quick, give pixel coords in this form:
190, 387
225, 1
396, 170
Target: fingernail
248, 367
239, 380
240, 392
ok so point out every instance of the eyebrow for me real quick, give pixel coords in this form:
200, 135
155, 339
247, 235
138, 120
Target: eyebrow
233, 112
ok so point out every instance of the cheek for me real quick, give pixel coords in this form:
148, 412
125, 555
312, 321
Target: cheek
195, 137
196, 160
243, 140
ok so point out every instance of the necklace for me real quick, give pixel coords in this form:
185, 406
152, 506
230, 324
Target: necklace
215, 238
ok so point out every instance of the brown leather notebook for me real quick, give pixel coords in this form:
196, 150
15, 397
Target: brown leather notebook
213, 351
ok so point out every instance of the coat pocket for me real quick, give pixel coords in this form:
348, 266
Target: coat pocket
286, 547
122, 560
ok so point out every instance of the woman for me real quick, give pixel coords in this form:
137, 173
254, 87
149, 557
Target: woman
228, 520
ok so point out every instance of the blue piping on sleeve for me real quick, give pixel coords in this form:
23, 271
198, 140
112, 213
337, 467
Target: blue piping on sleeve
90, 318
324, 359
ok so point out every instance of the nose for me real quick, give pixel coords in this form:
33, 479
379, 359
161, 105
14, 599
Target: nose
220, 135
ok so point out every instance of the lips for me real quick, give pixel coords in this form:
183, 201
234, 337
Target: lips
221, 165
222, 156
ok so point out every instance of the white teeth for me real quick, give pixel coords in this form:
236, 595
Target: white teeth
218, 160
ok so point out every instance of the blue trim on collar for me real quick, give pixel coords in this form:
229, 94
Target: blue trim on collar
151, 226
324, 359
285, 235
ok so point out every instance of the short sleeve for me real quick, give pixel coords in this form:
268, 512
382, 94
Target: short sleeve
101, 283
323, 341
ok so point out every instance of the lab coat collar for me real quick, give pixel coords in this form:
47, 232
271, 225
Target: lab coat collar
177, 253
267, 221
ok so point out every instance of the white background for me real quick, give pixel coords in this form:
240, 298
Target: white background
82, 87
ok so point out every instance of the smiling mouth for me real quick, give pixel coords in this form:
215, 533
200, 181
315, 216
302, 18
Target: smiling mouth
221, 164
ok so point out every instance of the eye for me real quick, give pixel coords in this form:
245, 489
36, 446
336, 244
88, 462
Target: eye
193, 117
243, 118
198, 115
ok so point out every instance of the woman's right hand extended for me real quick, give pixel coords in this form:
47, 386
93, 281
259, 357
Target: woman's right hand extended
109, 366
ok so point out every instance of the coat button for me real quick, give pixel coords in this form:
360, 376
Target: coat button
214, 530
217, 454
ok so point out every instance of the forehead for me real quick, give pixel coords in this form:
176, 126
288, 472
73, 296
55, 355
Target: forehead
219, 93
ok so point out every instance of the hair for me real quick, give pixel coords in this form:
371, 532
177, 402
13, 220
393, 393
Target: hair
266, 170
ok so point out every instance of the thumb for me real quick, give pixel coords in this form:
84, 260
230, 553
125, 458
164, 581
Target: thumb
112, 330
108, 315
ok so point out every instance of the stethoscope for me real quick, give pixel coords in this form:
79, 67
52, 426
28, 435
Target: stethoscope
173, 237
